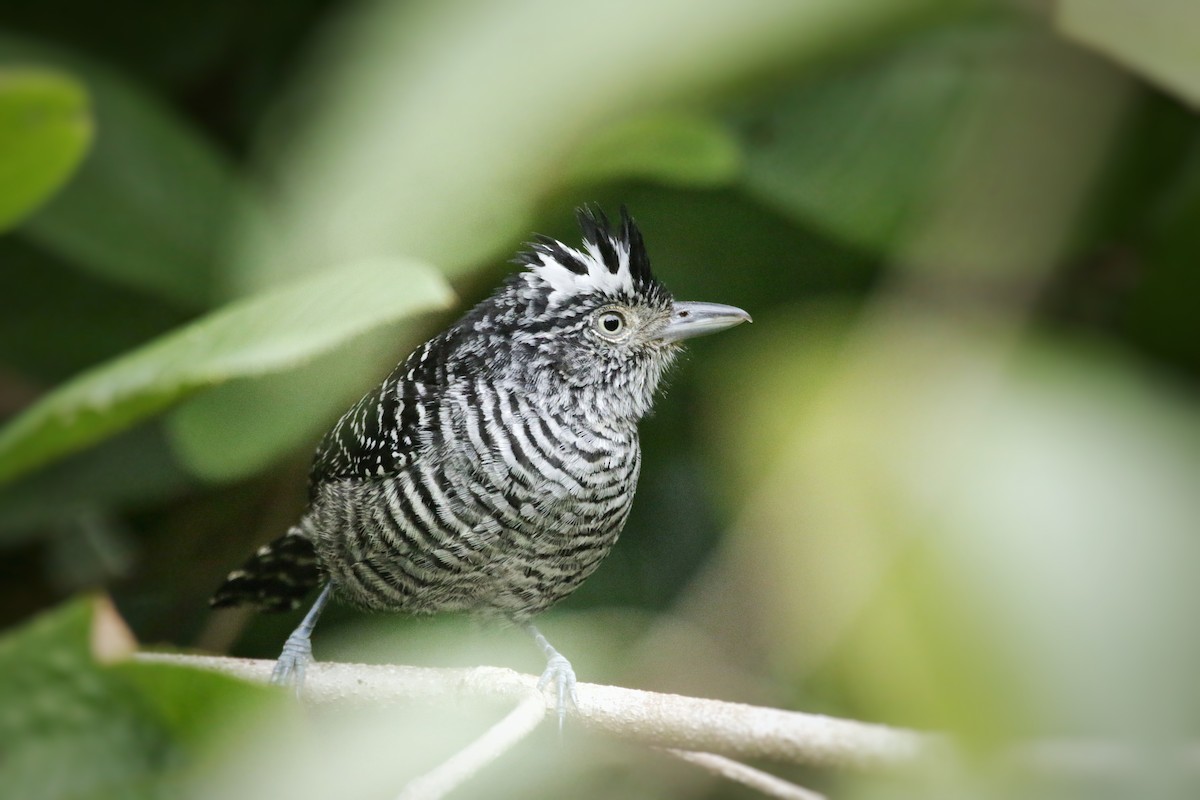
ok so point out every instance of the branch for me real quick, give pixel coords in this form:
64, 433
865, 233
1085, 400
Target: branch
669, 721
741, 773
506, 733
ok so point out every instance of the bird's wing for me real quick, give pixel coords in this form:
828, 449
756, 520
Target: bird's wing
381, 433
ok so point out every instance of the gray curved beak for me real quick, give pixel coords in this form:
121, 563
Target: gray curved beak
690, 319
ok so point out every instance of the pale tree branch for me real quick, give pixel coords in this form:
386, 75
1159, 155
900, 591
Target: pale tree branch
738, 772
668, 721
711, 734
496, 741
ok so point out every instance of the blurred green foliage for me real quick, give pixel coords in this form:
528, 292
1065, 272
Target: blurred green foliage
74, 726
46, 127
266, 334
947, 479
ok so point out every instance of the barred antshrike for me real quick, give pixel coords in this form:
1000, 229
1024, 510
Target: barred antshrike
493, 470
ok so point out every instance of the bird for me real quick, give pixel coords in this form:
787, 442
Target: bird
493, 470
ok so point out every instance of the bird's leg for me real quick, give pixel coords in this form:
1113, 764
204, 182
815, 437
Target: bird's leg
559, 670
297, 650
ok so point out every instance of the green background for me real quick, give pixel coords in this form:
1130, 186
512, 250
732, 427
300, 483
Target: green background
947, 479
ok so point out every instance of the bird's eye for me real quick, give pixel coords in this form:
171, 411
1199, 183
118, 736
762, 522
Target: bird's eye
611, 324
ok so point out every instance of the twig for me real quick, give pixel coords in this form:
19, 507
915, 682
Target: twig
660, 720
744, 774
452, 772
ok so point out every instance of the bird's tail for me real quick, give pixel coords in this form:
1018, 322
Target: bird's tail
275, 578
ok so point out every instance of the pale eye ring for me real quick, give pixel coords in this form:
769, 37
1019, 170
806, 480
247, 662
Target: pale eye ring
611, 324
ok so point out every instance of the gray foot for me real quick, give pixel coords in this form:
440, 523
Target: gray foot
558, 669
293, 663
559, 672
297, 650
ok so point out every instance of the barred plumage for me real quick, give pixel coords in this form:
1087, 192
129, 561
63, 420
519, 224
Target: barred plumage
494, 469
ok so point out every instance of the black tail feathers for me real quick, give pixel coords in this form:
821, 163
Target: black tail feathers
276, 578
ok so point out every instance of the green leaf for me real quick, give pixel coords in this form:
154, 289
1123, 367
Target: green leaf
915, 154
151, 205
431, 139
57, 707
45, 128
855, 152
1158, 42
131, 470
71, 727
56, 321
1161, 311
239, 429
674, 149
259, 335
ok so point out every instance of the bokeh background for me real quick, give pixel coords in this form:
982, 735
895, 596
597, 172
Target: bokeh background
949, 479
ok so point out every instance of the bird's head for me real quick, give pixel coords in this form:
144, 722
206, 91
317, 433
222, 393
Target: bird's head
594, 322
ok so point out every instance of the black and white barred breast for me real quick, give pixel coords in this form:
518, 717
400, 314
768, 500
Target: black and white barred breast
474, 495
494, 469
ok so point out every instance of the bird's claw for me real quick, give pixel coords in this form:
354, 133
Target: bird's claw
560, 672
293, 663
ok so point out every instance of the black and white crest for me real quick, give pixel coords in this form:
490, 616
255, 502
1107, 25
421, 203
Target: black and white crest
613, 264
